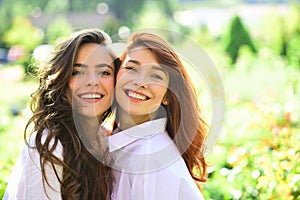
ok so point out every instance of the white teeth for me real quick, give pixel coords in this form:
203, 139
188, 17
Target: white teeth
91, 96
136, 96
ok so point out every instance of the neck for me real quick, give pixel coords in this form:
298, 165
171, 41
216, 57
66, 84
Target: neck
125, 120
88, 127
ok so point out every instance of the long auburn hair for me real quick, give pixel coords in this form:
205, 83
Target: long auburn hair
84, 177
185, 123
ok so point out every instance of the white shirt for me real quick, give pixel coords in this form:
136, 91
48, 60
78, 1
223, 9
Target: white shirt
26, 178
148, 166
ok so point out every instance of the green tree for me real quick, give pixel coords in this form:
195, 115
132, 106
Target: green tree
237, 37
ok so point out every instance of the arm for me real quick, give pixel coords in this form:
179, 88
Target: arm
189, 190
26, 179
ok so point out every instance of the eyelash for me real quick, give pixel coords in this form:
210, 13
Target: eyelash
76, 72
105, 73
130, 68
157, 76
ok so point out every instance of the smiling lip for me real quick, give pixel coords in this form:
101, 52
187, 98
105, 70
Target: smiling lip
91, 97
136, 96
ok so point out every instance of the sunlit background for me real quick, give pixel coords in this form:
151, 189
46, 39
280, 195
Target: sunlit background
255, 46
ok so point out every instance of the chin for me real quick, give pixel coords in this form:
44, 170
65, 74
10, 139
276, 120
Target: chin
88, 115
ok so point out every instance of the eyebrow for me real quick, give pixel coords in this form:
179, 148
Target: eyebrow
153, 67
160, 69
134, 61
102, 65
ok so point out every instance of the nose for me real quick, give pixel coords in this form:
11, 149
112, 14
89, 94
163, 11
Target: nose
92, 80
141, 80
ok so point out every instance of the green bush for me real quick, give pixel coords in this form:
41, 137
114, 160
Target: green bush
258, 154
24, 34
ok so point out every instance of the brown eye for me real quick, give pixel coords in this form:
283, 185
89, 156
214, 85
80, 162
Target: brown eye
76, 72
106, 73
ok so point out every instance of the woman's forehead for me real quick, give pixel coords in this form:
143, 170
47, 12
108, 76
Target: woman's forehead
142, 55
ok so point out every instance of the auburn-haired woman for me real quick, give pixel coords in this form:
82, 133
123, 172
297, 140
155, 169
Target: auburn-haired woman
157, 147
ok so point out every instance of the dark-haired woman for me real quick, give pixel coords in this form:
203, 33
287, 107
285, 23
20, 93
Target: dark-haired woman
73, 99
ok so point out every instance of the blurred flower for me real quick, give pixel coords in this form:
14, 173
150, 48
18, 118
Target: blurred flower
255, 174
16, 53
224, 171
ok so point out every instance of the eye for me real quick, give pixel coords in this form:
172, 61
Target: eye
130, 68
76, 72
157, 76
105, 72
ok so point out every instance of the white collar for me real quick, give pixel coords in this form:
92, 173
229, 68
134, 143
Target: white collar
144, 130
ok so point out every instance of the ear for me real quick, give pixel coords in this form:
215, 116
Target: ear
165, 100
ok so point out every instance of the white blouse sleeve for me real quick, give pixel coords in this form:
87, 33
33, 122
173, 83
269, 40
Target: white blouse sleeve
188, 191
26, 178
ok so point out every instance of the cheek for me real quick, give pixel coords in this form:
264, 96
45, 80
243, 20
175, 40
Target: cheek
120, 76
120, 80
72, 84
160, 91
70, 91
108, 84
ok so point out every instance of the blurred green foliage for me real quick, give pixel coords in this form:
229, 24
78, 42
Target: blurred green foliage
24, 38
57, 29
280, 34
257, 156
237, 37
293, 51
23, 34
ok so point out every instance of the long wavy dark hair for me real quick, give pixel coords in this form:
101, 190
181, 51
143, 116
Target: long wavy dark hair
185, 123
84, 176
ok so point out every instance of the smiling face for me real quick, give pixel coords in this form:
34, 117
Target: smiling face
141, 85
92, 82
